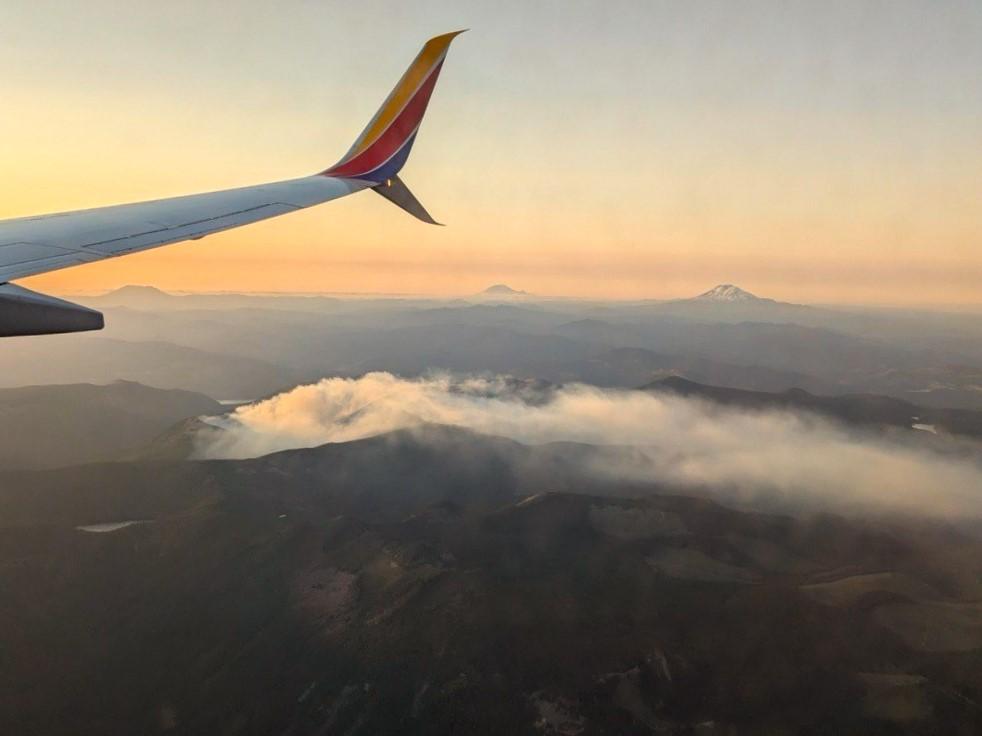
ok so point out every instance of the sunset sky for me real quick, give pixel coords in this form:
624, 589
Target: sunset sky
809, 151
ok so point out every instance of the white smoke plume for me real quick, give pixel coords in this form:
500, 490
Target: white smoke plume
680, 441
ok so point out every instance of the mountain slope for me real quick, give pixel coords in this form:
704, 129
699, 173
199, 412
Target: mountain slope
51, 426
868, 409
399, 585
503, 290
730, 293
65, 359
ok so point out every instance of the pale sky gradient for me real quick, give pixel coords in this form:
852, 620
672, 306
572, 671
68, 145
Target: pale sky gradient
812, 151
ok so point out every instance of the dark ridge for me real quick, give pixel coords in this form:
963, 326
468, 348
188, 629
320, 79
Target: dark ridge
859, 409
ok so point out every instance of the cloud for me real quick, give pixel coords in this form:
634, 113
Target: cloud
787, 458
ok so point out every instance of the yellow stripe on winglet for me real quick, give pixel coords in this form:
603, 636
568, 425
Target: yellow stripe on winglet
424, 62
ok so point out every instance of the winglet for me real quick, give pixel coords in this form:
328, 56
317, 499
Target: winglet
396, 191
383, 147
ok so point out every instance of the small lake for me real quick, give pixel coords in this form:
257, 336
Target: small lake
110, 526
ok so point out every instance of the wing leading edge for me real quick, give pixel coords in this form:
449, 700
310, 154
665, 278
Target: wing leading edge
34, 245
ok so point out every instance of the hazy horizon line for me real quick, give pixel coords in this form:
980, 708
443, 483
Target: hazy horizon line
520, 296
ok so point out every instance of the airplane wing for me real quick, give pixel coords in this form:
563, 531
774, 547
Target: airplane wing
33, 245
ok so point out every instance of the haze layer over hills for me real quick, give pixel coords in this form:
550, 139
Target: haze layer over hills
245, 347
502, 514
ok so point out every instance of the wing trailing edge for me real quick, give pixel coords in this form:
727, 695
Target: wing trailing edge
396, 191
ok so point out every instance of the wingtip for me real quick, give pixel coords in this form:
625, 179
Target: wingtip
444, 39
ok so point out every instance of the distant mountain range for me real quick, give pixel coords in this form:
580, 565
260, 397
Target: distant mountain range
132, 294
246, 346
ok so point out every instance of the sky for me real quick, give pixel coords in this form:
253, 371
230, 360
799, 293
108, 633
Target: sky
807, 151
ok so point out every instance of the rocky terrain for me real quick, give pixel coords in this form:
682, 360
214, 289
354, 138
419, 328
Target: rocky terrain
437, 581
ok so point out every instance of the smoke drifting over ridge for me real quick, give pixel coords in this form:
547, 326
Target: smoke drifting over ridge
786, 457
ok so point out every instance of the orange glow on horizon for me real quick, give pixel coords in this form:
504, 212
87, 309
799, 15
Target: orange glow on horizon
666, 176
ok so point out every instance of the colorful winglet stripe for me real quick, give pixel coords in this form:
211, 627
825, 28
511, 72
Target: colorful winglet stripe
382, 148
393, 137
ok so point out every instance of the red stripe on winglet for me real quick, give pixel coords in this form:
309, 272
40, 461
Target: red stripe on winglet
394, 136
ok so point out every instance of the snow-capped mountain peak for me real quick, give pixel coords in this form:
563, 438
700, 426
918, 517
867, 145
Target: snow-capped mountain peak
728, 293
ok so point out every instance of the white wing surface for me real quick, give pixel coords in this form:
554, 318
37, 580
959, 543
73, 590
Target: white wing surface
34, 245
